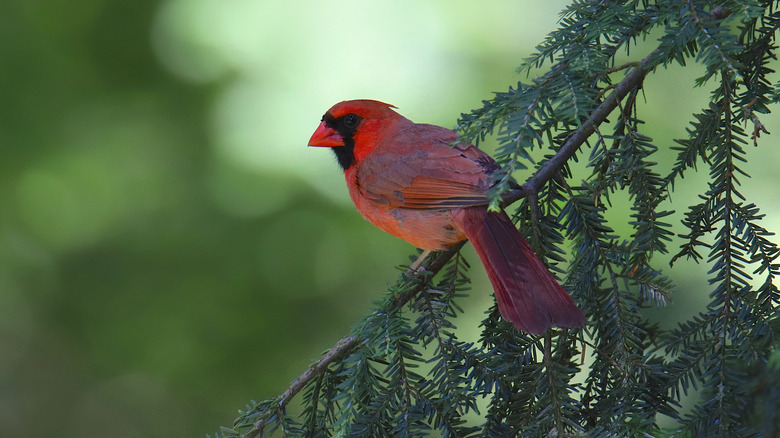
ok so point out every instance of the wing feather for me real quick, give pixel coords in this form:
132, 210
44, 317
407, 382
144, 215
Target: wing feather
422, 170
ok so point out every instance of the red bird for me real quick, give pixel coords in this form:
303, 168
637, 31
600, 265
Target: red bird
408, 179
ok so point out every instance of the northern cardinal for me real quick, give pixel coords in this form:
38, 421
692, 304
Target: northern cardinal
410, 181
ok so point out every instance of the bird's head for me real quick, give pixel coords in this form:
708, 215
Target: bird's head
353, 127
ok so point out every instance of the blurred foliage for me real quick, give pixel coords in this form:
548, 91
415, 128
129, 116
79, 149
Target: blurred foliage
168, 246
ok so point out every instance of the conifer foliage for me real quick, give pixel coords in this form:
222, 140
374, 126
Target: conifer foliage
402, 371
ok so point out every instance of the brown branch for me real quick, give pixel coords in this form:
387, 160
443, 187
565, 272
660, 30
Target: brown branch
532, 187
342, 346
632, 81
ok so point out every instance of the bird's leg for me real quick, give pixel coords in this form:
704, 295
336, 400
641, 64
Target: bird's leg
414, 266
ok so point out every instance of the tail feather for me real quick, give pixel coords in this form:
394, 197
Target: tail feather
526, 293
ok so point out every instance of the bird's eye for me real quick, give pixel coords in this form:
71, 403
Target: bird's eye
351, 121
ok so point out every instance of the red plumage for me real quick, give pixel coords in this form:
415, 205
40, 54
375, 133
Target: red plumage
414, 182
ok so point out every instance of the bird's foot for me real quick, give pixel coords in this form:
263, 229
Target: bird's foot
417, 266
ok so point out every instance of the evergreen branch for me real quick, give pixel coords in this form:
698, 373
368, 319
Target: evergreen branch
554, 396
632, 81
347, 343
531, 187
341, 347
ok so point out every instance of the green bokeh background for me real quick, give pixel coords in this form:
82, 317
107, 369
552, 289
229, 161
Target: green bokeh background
169, 246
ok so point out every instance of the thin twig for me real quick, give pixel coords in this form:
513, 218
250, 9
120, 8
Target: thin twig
548, 365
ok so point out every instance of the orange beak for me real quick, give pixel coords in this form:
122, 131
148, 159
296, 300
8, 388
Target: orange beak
326, 136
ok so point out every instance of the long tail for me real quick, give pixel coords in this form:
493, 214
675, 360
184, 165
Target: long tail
526, 293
